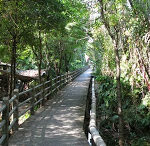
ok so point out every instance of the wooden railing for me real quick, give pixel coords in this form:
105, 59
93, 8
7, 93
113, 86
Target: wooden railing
12, 110
96, 138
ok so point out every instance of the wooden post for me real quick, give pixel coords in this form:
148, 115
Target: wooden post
32, 101
16, 112
50, 91
61, 81
51, 88
70, 77
5, 116
56, 84
43, 94
67, 77
92, 142
66, 81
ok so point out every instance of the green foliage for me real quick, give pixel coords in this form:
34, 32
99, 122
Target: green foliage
107, 106
44, 32
107, 93
136, 113
26, 60
55, 35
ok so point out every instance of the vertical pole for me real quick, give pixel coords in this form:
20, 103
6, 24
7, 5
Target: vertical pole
68, 77
51, 89
43, 94
92, 142
74, 75
52, 86
60, 81
16, 112
71, 76
32, 101
5, 116
56, 84
66, 81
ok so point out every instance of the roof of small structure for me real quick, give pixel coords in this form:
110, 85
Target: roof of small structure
30, 73
5, 64
24, 75
18, 76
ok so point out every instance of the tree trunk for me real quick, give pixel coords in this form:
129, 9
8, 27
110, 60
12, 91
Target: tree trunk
66, 64
119, 94
115, 40
48, 67
13, 65
60, 63
61, 57
40, 56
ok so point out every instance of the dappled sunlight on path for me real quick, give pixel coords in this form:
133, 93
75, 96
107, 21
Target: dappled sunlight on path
60, 123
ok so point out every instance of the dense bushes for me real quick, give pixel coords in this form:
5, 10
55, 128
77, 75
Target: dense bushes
136, 113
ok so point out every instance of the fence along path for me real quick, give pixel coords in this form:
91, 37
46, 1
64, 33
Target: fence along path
96, 139
51, 125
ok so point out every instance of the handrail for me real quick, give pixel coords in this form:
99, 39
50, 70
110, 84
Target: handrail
2, 139
25, 92
92, 125
2, 108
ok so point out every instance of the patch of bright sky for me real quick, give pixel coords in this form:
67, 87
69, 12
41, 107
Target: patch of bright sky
128, 4
91, 5
70, 25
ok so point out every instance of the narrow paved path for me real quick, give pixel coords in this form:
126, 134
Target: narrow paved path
60, 123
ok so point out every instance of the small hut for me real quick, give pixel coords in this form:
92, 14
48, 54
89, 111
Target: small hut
23, 78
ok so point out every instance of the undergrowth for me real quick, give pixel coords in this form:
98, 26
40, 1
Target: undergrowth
136, 113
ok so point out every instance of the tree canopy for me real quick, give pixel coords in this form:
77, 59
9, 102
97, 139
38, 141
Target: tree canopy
55, 35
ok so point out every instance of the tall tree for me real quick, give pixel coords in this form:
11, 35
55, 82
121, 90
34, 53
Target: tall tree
114, 30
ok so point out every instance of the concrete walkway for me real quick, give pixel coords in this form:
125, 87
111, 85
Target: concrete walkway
60, 123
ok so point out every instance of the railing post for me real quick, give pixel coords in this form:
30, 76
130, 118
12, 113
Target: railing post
51, 89
59, 85
56, 84
68, 78
66, 81
71, 75
32, 101
92, 142
61, 81
43, 94
5, 116
16, 112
